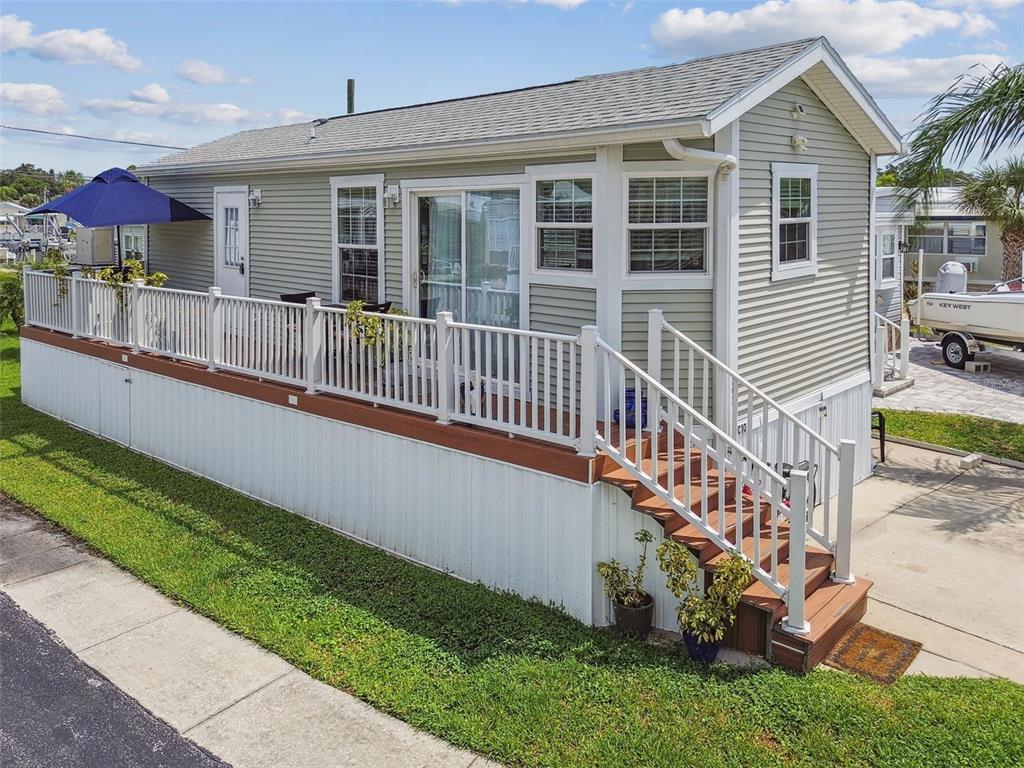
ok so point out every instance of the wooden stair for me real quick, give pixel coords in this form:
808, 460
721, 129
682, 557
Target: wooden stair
831, 608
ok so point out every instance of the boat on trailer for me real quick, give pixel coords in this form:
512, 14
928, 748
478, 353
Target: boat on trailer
966, 319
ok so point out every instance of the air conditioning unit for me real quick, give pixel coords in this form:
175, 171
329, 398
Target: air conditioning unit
94, 246
970, 262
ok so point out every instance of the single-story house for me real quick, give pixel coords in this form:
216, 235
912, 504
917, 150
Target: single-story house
688, 250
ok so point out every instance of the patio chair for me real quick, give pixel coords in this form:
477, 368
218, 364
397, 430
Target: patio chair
297, 298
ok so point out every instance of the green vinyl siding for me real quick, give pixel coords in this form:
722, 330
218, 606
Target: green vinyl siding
799, 335
561, 309
184, 251
655, 150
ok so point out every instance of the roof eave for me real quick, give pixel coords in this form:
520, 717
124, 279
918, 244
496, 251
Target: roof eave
685, 128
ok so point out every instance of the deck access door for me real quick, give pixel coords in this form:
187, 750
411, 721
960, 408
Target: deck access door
231, 240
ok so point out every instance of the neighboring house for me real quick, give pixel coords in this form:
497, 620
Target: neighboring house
892, 220
584, 225
12, 221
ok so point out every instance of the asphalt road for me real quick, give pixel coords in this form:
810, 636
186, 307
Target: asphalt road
55, 711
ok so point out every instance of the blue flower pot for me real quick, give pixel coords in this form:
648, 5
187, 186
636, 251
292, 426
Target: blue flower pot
702, 652
630, 417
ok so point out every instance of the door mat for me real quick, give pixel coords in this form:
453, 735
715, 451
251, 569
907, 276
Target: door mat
872, 653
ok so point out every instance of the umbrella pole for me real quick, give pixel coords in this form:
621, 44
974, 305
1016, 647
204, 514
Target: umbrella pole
117, 244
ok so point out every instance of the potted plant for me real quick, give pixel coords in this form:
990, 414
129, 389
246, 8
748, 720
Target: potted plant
704, 618
633, 607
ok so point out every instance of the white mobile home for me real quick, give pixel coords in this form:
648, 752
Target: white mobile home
656, 281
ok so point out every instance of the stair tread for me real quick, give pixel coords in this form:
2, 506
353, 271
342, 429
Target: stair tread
619, 475
711, 558
818, 566
825, 607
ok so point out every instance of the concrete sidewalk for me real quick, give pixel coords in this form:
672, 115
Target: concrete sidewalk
945, 548
227, 695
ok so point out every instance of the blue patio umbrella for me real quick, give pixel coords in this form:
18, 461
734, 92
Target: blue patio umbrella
117, 197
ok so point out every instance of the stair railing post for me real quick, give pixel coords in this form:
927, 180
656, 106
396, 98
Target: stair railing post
73, 298
27, 296
588, 389
844, 519
136, 318
655, 322
312, 343
881, 349
904, 348
214, 329
795, 621
445, 377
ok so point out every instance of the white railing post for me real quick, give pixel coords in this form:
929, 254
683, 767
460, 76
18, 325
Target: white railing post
214, 330
29, 304
313, 342
137, 286
795, 622
881, 350
73, 300
844, 519
904, 348
655, 321
445, 380
588, 389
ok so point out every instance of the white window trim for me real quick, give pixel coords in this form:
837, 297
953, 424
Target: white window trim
800, 268
375, 180
410, 237
572, 277
667, 280
883, 281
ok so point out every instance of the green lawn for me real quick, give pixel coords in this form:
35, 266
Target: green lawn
965, 433
514, 680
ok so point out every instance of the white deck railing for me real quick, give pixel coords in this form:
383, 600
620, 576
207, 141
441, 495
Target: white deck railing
892, 350
766, 431
541, 385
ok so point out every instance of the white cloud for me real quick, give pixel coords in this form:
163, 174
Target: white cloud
71, 46
33, 98
853, 26
999, 5
563, 4
154, 93
193, 114
915, 77
204, 73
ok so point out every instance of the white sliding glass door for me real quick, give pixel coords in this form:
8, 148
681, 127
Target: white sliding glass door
468, 255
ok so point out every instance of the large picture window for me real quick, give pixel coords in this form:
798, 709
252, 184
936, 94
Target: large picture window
794, 220
667, 223
357, 212
564, 223
949, 238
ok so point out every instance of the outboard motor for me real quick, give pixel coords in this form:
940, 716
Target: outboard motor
952, 278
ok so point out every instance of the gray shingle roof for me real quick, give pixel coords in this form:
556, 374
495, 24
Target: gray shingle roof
651, 95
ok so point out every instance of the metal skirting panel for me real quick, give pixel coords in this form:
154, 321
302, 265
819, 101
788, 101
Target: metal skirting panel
505, 526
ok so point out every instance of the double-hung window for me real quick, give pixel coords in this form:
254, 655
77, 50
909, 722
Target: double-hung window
564, 223
358, 238
887, 256
794, 220
667, 223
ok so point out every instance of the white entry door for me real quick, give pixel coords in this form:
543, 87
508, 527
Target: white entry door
231, 240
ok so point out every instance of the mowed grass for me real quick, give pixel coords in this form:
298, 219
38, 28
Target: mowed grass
514, 680
965, 433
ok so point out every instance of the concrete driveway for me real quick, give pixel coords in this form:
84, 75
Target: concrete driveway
945, 548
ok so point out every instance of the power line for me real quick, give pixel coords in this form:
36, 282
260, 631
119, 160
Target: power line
89, 138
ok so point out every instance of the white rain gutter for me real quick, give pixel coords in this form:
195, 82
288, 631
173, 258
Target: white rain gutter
725, 163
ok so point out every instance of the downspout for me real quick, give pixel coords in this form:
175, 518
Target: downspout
725, 163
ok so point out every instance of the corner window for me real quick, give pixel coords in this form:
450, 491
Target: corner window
357, 212
794, 220
667, 223
564, 222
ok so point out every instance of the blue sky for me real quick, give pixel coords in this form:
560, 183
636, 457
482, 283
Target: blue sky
180, 73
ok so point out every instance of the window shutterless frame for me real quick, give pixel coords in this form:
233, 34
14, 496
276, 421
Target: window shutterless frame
536, 226
803, 267
348, 182
667, 279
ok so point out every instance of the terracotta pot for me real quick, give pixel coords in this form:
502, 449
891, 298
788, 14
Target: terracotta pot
703, 652
634, 620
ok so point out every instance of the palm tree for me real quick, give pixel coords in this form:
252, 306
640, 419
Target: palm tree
981, 111
997, 193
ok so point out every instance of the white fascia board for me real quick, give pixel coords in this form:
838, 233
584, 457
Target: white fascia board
541, 145
818, 51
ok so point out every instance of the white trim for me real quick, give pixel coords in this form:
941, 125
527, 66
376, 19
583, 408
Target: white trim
666, 280
375, 180
608, 239
819, 51
570, 277
465, 182
243, 210
801, 268
725, 327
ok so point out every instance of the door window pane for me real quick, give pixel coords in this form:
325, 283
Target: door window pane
232, 249
492, 257
440, 254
